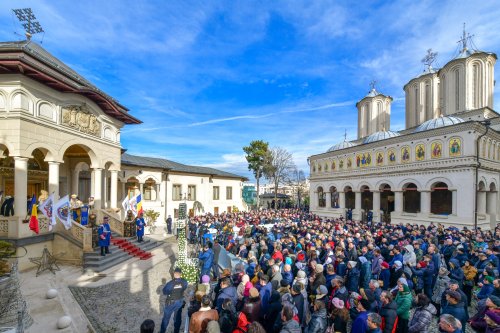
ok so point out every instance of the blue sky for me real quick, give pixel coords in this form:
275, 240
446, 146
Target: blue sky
208, 77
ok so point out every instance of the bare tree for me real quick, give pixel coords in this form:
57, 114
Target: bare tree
279, 168
297, 181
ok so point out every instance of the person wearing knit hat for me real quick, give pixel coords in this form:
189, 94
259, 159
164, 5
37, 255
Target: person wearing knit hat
205, 279
402, 280
421, 264
352, 263
338, 303
321, 292
318, 268
398, 264
384, 265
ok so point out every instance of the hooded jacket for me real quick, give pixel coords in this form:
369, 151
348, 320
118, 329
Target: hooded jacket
290, 326
365, 273
442, 283
456, 273
352, 279
242, 325
403, 301
410, 257
422, 318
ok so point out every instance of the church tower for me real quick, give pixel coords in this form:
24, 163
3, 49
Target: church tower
422, 94
374, 113
467, 81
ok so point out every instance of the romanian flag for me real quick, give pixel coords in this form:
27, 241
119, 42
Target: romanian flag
139, 204
34, 219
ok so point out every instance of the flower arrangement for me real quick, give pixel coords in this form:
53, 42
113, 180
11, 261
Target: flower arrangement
190, 267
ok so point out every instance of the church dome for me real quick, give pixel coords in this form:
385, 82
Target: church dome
382, 135
341, 145
438, 122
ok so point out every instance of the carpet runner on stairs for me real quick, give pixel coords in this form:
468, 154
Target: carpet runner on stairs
130, 248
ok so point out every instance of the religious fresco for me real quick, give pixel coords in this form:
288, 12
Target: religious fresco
334, 167
405, 154
455, 145
319, 168
341, 164
326, 167
380, 158
420, 152
436, 149
349, 163
391, 156
363, 160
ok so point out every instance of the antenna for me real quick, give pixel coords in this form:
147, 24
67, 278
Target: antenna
429, 59
31, 26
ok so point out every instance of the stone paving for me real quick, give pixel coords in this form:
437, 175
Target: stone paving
122, 306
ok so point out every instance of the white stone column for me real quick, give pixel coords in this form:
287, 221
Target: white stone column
398, 201
92, 182
124, 190
342, 200
97, 181
328, 200
75, 179
454, 202
357, 201
54, 178
157, 190
114, 189
491, 198
376, 206
141, 188
104, 190
425, 202
20, 186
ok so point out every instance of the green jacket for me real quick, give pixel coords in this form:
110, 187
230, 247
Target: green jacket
403, 301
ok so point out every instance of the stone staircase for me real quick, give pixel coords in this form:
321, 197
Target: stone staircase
122, 249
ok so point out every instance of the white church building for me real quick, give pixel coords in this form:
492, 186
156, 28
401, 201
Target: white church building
444, 167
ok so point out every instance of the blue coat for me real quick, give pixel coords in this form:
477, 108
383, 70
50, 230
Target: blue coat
104, 232
208, 258
457, 311
140, 226
385, 277
485, 291
352, 279
360, 325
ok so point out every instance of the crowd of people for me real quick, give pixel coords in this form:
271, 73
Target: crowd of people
300, 273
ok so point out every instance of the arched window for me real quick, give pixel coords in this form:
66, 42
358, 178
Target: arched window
367, 121
417, 101
334, 197
150, 189
366, 198
321, 197
350, 198
428, 111
411, 198
132, 186
476, 81
441, 199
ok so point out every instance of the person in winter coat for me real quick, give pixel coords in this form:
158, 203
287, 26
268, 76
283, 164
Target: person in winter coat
469, 275
403, 301
486, 288
388, 312
273, 312
287, 274
317, 324
265, 294
289, 324
359, 324
454, 307
493, 321
242, 324
227, 292
252, 306
227, 317
442, 283
396, 273
385, 275
299, 301
318, 279
352, 277
365, 272
418, 276
422, 317
376, 264
199, 320
207, 258
339, 316
456, 272
409, 256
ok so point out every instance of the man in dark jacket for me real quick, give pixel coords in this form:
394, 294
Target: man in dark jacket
360, 324
454, 306
227, 291
298, 300
289, 325
388, 311
352, 277
207, 258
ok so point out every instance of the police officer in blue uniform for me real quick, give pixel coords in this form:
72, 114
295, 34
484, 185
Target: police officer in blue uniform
175, 301
104, 233
139, 221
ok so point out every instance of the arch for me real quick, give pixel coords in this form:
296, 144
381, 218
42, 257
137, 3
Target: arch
149, 189
110, 165
3, 100
7, 145
441, 199
46, 110
481, 186
364, 184
432, 181
50, 153
321, 197
95, 163
109, 133
350, 196
379, 184
152, 177
493, 187
411, 198
20, 100
334, 197
409, 180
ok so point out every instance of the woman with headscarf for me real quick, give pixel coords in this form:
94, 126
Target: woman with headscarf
396, 273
